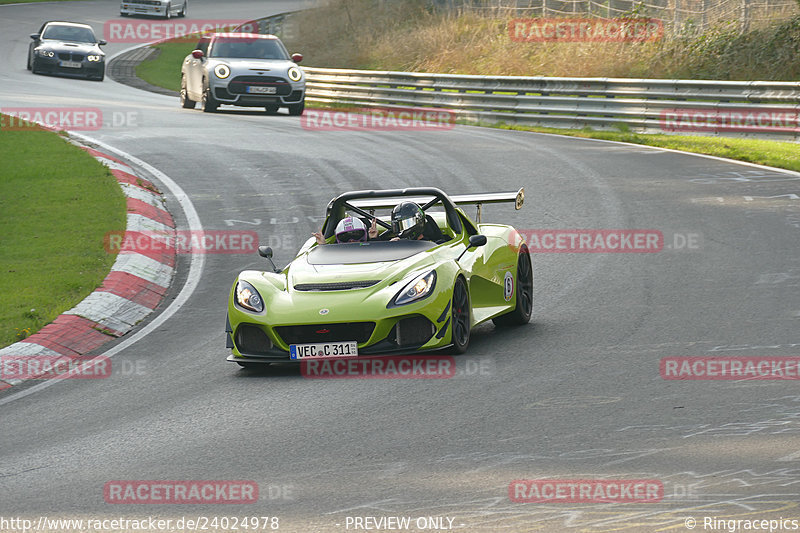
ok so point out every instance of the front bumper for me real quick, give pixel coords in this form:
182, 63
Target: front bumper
143, 9
54, 65
421, 329
236, 92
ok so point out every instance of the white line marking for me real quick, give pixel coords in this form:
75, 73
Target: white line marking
192, 280
658, 148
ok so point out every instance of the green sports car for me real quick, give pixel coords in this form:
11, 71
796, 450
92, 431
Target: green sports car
384, 295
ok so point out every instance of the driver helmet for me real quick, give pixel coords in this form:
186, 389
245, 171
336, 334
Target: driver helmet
351, 229
408, 220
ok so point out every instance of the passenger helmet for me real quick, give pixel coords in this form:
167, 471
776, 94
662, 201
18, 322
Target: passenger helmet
408, 220
351, 229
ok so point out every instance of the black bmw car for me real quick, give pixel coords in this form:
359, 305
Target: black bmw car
67, 48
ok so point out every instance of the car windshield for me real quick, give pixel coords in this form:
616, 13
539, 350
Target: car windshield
366, 252
76, 34
248, 49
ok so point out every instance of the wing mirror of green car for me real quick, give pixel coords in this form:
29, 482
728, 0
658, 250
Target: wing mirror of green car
477, 240
474, 242
266, 253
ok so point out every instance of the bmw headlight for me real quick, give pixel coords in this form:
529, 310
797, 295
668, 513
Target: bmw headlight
419, 288
294, 74
222, 71
248, 298
45, 53
94, 58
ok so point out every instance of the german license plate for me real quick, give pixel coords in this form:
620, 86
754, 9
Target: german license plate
258, 89
70, 64
323, 350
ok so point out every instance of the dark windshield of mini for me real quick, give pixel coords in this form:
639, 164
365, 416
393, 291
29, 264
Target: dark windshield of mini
248, 49
69, 33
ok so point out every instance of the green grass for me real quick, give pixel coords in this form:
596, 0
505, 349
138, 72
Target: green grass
165, 69
56, 204
772, 153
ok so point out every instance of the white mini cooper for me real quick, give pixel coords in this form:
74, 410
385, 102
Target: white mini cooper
242, 69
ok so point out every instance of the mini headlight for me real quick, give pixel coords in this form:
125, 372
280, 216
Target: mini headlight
94, 58
419, 288
248, 298
294, 74
222, 71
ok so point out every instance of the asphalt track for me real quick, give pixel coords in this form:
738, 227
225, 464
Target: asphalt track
575, 395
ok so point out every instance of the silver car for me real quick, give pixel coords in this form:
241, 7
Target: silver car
243, 69
159, 8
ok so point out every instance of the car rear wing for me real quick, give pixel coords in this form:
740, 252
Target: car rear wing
478, 199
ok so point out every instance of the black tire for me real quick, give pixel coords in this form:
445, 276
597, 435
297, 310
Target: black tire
460, 317
524, 309
297, 109
123, 14
208, 103
272, 109
29, 60
186, 102
183, 10
33, 66
168, 12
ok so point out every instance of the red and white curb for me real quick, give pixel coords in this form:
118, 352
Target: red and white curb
131, 291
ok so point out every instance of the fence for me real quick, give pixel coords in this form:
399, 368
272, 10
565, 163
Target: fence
676, 14
756, 108
762, 109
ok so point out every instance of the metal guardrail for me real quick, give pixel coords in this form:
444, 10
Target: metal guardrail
764, 109
758, 108
279, 25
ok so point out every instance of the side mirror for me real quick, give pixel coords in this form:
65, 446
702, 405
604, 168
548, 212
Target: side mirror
102, 42
35, 36
197, 54
266, 252
477, 240
474, 241
297, 58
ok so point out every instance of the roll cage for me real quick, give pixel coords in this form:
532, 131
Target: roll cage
361, 201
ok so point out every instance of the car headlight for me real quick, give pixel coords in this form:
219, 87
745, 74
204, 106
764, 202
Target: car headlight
294, 74
222, 71
45, 53
419, 288
94, 58
247, 297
